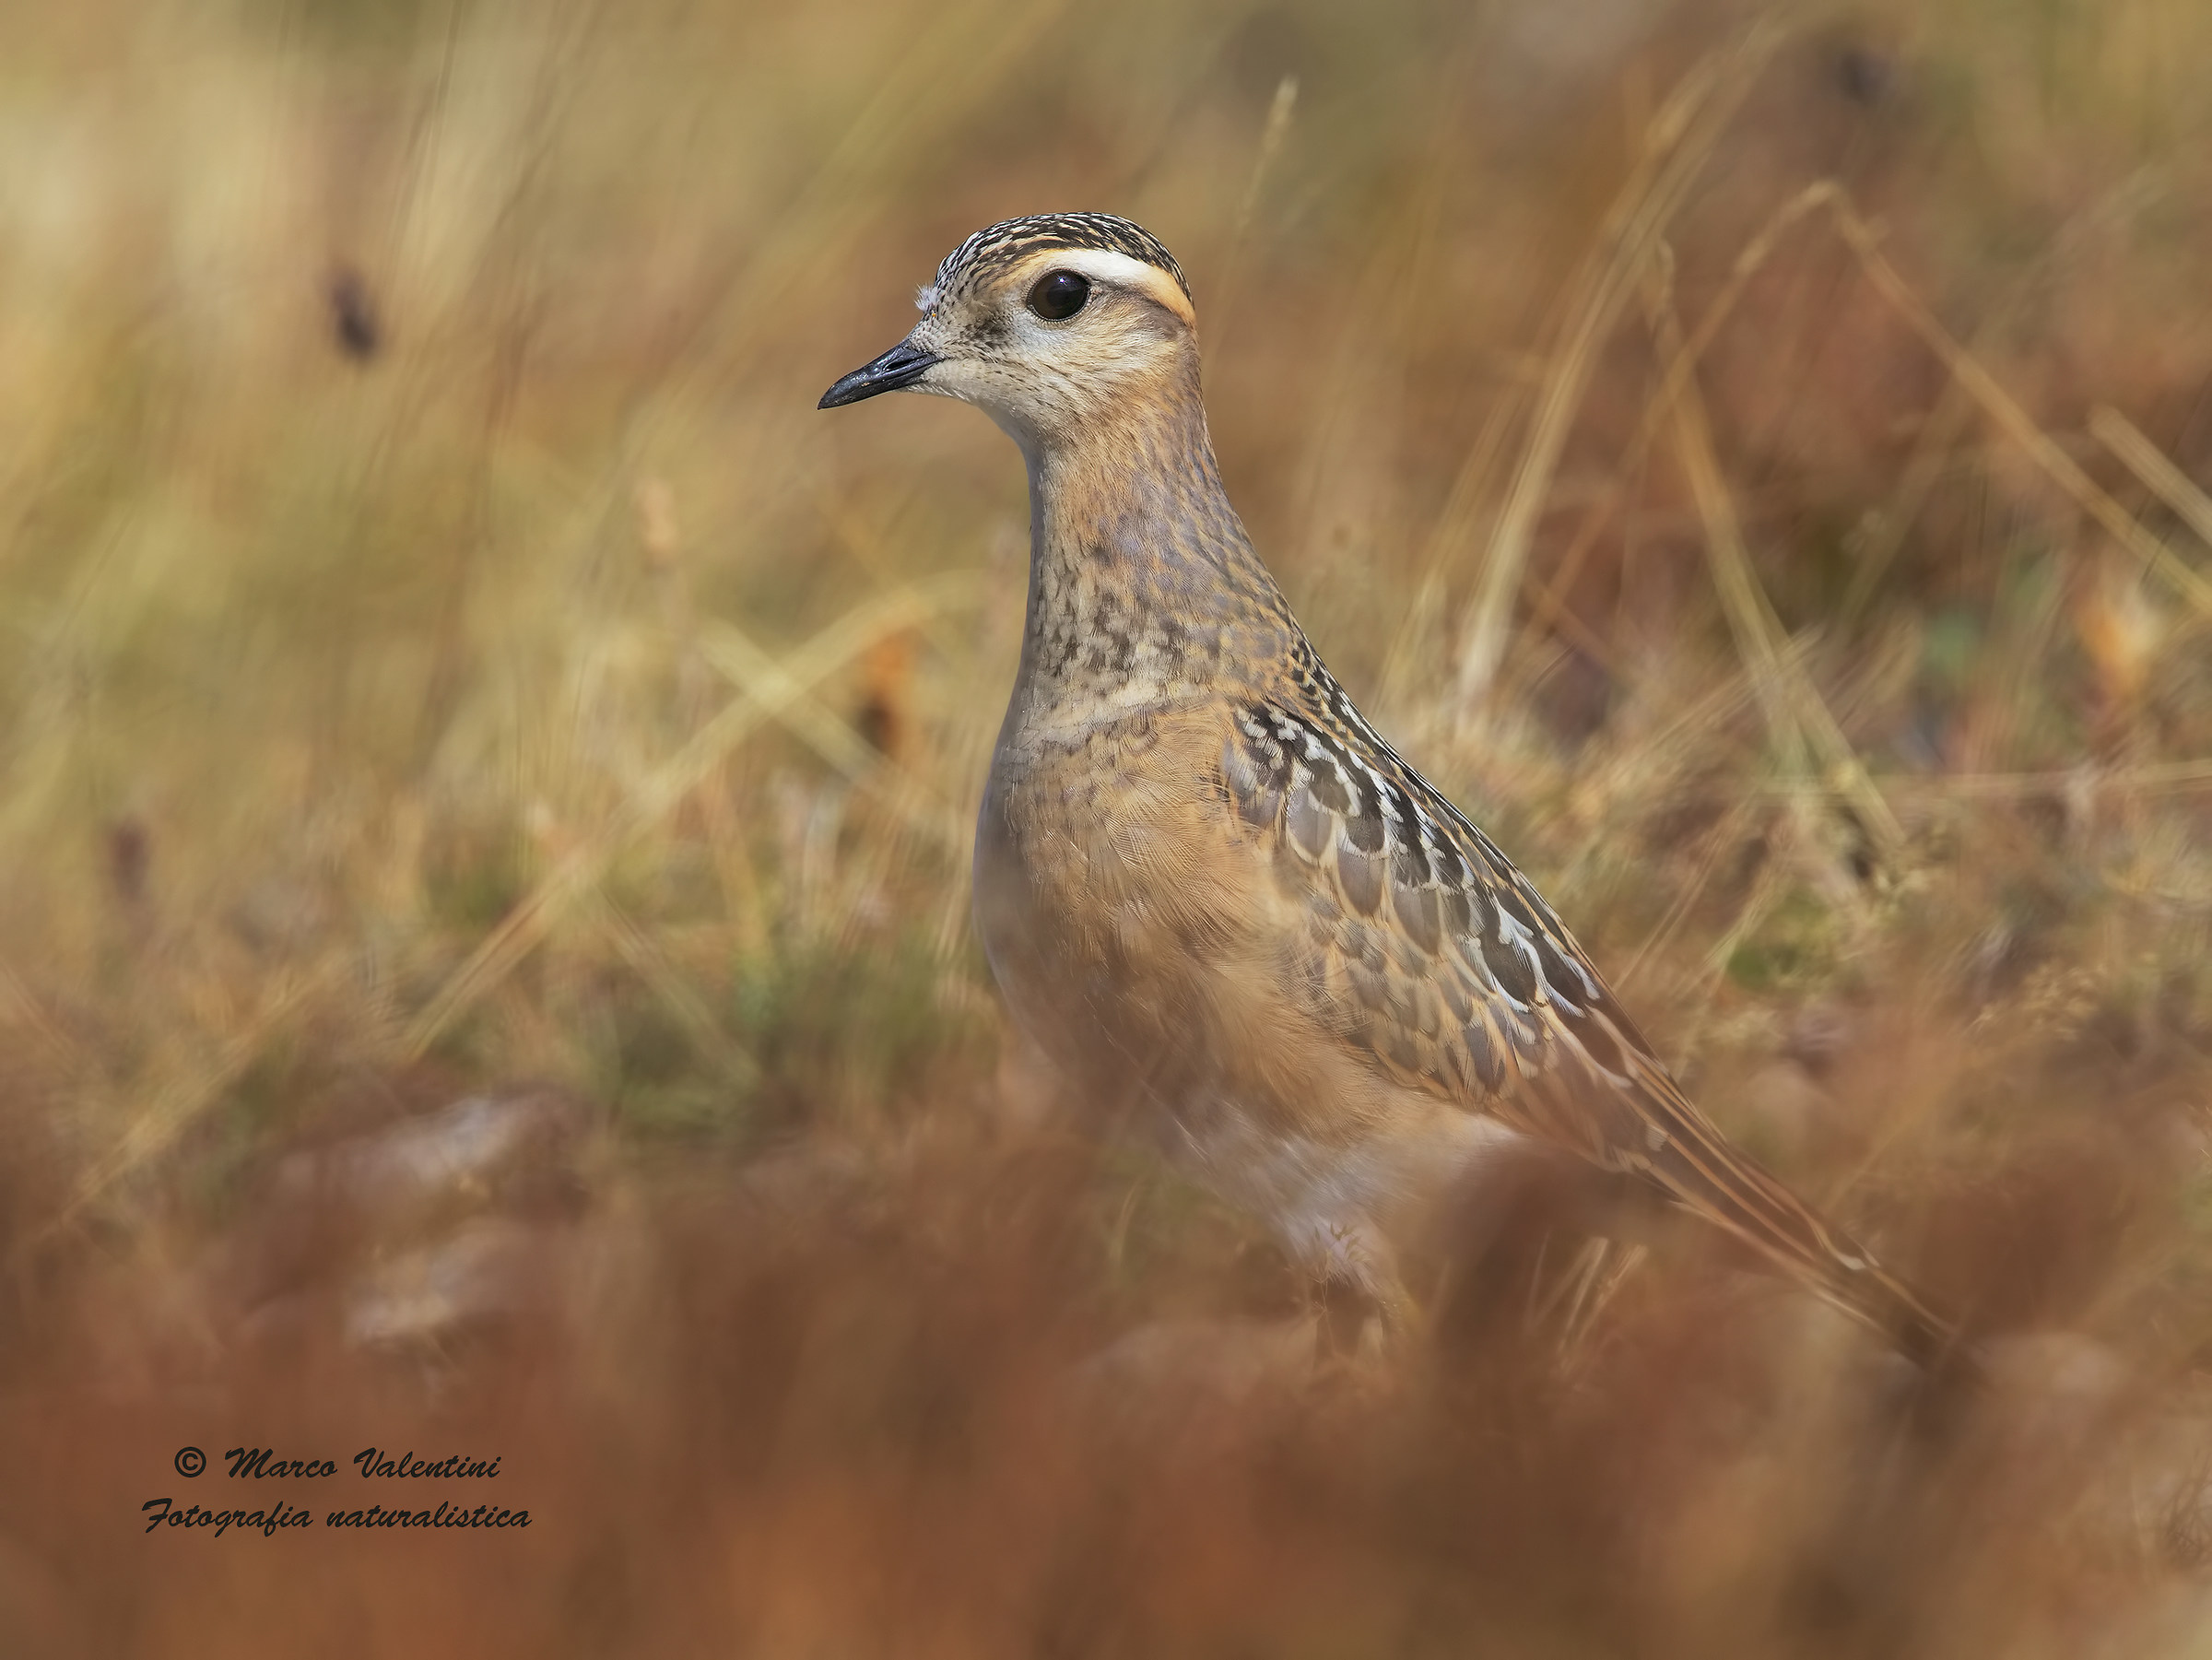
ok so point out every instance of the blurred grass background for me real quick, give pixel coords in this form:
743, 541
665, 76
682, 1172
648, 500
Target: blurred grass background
1755, 460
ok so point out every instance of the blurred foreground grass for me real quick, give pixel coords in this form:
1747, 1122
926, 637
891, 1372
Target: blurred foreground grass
1757, 462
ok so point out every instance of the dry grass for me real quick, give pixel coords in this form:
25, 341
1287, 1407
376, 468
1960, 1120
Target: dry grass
1757, 462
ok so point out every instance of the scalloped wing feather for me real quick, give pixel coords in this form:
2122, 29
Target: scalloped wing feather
1426, 948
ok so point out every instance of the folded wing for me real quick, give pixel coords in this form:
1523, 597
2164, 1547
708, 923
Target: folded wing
1430, 953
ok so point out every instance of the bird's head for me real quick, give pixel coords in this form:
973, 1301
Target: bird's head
1049, 324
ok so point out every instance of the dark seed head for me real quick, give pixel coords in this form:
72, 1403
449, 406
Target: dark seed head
1864, 75
353, 321
130, 852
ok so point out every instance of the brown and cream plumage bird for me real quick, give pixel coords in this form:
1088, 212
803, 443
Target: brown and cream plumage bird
1210, 889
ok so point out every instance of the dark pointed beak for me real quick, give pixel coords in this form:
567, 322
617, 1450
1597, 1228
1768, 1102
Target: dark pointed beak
901, 365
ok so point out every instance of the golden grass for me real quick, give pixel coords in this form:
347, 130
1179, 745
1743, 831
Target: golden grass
457, 687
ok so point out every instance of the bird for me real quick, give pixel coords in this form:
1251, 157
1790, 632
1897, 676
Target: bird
1213, 895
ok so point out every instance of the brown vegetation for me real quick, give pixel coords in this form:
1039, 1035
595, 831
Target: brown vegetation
484, 812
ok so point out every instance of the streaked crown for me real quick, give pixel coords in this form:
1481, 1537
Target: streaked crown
995, 247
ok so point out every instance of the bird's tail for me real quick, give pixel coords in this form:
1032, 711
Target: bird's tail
1688, 1158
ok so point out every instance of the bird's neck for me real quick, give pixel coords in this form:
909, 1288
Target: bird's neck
1144, 589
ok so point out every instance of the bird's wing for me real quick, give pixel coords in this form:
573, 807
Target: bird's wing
1430, 953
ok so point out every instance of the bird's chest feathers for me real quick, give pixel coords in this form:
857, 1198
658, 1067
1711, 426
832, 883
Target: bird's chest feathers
1115, 837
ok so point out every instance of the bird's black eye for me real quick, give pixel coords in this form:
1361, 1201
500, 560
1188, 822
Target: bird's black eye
1058, 295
